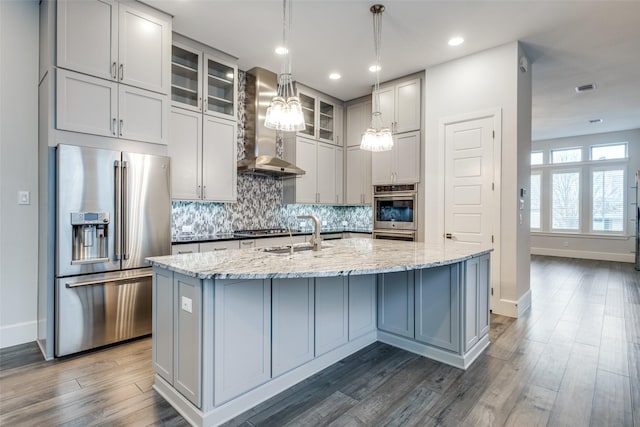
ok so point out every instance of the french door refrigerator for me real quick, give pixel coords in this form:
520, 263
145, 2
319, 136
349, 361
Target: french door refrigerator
113, 210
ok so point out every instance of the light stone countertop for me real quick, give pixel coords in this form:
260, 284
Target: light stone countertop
337, 258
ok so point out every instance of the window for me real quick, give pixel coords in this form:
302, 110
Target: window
535, 200
607, 200
566, 155
565, 201
609, 151
536, 157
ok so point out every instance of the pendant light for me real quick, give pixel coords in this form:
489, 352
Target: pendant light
285, 111
377, 137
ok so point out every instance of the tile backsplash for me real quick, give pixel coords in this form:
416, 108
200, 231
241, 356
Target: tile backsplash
259, 203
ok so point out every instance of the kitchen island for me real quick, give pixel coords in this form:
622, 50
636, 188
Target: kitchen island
233, 328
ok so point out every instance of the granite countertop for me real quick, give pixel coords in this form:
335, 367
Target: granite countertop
337, 258
202, 238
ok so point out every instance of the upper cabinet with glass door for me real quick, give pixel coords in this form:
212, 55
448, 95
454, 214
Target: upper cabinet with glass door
220, 88
321, 117
201, 81
186, 77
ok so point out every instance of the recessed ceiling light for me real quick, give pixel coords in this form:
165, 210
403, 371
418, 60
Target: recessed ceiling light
281, 50
374, 68
456, 41
585, 88
594, 121
334, 76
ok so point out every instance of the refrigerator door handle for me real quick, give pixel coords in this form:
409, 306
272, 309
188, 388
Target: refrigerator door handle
118, 207
125, 211
103, 281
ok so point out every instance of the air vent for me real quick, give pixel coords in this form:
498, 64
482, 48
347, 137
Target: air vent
593, 121
585, 88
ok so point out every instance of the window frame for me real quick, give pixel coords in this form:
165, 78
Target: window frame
552, 150
540, 173
566, 170
610, 144
612, 165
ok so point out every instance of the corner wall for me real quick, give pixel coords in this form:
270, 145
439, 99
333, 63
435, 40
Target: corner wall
18, 170
481, 82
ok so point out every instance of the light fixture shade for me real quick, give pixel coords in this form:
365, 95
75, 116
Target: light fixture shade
275, 113
295, 112
377, 140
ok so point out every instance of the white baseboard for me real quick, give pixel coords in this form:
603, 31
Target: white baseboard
18, 333
511, 308
570, 253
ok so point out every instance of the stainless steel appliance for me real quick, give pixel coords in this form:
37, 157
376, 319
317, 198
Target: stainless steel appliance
113, 210
395, 211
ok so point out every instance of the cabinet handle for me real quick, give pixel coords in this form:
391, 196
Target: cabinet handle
200, 104
121, 126
121, 71
184, 252
246, 243
198, 192
114, 71
204, 191
113, 127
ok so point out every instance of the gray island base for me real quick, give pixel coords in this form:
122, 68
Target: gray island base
234, 328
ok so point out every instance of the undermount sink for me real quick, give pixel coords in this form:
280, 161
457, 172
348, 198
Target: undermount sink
286, 249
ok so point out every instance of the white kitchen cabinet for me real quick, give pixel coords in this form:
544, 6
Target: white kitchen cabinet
219, 246
292, 328
185, 248
163, 301
400, 165
339, 153
321, 162
362, 305
358, 120
247, 243
242, 337
125, 42
83, 104
358, 176
323, 118
202, 81
400, 105
219, 147
203, 156
332, 313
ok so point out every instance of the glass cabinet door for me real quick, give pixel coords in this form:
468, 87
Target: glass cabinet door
326, 122
309, 112
185, 78
220, 88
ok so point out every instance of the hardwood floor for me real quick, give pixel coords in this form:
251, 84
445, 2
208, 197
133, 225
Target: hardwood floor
572, 360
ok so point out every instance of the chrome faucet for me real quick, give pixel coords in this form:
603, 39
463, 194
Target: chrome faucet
315, 239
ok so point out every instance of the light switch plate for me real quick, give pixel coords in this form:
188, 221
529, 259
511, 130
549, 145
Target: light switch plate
24, 197
187, 304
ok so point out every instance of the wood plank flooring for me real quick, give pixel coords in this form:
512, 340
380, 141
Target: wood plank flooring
572, 360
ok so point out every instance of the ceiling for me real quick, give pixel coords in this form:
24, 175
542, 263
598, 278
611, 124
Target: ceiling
569, 43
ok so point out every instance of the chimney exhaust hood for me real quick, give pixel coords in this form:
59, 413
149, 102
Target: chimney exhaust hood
259, 141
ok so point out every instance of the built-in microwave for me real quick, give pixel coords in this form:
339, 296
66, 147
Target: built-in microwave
395, 207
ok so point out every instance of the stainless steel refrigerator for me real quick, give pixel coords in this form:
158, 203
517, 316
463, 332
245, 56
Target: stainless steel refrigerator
113, 210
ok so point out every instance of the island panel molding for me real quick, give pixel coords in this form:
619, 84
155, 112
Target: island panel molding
257, 323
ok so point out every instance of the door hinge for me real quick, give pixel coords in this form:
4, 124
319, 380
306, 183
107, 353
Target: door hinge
493, 134
491, 291
493, 186
492, 238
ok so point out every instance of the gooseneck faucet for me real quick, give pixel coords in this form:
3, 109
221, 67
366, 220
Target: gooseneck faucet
315, 239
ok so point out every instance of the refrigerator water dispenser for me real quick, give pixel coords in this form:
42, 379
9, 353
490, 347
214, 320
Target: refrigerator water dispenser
90, 237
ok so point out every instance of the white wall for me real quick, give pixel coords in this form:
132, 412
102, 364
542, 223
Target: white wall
488, 80
613, 248
18, 170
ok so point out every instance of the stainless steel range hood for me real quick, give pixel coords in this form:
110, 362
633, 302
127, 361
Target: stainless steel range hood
259, 141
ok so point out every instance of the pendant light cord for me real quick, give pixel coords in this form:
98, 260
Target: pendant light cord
376, 120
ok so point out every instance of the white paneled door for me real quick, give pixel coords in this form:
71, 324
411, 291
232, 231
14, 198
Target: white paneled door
469, 178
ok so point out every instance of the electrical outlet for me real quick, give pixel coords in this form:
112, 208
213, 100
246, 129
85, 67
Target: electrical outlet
187, 304
187, 229
324, 223
345, 223
302, 225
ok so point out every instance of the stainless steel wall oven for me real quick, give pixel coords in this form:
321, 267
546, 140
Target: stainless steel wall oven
395, 211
